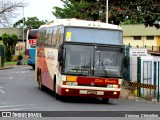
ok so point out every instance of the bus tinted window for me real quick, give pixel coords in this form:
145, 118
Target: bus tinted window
92, 35
33, 34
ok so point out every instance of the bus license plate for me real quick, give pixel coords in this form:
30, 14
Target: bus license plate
92, 92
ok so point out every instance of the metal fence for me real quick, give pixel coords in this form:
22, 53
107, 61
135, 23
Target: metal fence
1, 56
150, 48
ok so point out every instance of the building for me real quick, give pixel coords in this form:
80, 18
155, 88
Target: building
17, 31
139, 35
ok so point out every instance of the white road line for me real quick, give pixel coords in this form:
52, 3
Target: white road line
15, 109
2, 91
10, 77
5, 102
10, 106
16, 105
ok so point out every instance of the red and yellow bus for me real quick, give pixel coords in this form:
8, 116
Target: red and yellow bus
80, 58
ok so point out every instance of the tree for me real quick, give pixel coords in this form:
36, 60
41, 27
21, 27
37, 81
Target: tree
120, 11
8, 10
31, 22
14, 39
7, 42
10, 42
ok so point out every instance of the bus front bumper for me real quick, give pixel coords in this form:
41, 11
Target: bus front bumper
89, 92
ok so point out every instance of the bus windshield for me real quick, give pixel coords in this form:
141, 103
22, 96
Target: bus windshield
91, 60
108, 62
92, 35
32, 38
78, 59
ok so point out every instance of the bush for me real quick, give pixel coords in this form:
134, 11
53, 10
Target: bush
8, 56
1, 46
20, 57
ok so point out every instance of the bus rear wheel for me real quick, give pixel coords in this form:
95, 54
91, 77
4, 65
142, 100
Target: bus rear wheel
41, 87
105, 100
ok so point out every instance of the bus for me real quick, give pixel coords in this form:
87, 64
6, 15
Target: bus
31, 41
80, 58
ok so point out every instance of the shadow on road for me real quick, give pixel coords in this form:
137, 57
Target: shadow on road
71, 99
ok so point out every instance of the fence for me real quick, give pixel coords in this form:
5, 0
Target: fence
149, 48
1, 56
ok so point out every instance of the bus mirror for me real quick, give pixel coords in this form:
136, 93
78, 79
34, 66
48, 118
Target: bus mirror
126, 61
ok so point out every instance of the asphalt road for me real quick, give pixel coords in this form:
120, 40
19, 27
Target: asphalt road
19, 92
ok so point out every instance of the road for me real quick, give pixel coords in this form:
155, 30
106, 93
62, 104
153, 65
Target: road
19, 92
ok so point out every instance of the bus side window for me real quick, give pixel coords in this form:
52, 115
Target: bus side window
57, 42
53, 38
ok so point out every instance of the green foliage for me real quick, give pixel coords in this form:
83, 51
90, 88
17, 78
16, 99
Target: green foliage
8, 55
31, 22
20, 57
120, 11
5, 39
10, 42
14, 39
1, 46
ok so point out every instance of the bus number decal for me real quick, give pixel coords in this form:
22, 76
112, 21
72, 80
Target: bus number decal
32, 41
68, 36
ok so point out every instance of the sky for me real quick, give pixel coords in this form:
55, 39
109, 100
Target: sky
42, 9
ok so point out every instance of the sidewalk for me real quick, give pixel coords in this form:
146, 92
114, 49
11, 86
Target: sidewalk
125, 92
7, 67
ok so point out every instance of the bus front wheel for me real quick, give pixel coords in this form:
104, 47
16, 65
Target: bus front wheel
57, 97
40, 85
105, 100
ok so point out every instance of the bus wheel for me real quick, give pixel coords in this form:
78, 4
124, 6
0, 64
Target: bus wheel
105, 100
57, 97
33, 67
41, 87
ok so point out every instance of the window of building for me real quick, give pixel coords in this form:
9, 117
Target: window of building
137, 37
150, 37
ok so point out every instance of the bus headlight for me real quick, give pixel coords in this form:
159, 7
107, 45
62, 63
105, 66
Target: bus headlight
112, 86
119, 81
109, 86
115, 86
72, 83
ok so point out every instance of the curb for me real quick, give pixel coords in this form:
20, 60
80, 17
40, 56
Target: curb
3, 68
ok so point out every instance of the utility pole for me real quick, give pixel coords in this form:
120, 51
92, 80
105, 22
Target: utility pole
23, 26
106, 11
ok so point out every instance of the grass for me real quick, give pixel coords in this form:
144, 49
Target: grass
10, 63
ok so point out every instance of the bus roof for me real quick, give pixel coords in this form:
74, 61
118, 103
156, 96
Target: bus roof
80, 23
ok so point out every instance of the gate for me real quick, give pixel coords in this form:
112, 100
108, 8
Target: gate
148, 73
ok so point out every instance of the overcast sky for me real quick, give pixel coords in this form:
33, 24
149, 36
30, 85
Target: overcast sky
39, 8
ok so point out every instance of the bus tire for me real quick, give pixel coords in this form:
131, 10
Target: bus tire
33, 67
105, 100
57, 97
40, 85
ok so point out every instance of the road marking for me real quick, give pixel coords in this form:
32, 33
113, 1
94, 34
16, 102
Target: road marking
12, 107
1, 90
11, 78
15, 109
16, 105
5, 102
